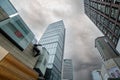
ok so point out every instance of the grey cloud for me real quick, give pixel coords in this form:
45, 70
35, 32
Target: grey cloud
77, 5
80, 65
84, 74
75, 8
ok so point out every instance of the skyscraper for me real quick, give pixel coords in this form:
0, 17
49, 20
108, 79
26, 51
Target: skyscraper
67, 69
105, 50
106, 16
53, 40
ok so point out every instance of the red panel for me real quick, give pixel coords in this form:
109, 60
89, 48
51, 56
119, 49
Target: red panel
18, 34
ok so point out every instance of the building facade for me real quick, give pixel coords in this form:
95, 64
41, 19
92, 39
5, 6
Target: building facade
16, 48
106, 51
15, 36
106, 16
67, 69
53, 40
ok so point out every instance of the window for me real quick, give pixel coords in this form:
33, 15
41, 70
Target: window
107, 10
112, 26
109, 35
96, 5
99, 5
117, 30
102, 19
114, 40
114, 13
105, 22
91, 3
98, 17
101, 27
102, 9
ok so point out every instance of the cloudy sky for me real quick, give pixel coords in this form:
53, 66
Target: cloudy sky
80, 31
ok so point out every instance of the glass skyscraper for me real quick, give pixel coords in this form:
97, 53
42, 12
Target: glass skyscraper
67, 69
53, 40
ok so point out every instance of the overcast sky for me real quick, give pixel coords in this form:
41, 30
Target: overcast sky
80, 31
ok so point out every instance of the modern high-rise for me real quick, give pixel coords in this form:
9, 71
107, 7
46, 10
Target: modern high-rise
106, 16
67, 69
53, 40
106, 51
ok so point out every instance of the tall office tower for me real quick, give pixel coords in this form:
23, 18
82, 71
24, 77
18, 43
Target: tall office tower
67, 69
106, 16
53, 40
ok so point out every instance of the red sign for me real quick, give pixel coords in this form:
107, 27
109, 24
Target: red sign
18, 34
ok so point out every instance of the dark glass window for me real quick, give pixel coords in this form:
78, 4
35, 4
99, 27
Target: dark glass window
98, 17
96, 5
107, 10
91, 3
117, 30
114, 13
109, 35
105, 22
112, 26
99, 6
101, 27
114, 40
102, 19
102, 8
